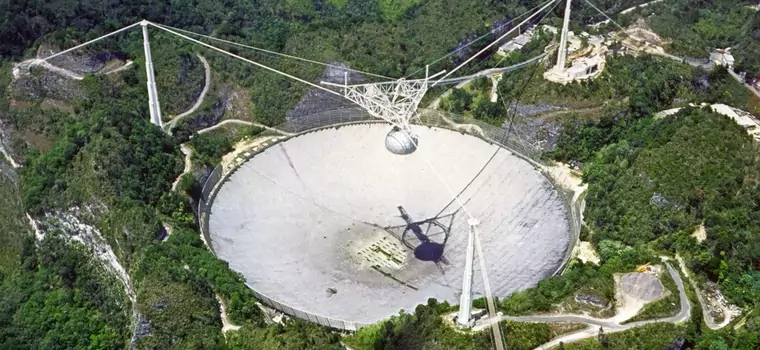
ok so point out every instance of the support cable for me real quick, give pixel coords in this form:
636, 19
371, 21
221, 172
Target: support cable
435, 171
479, 38
243, 59
260, 65
493, 43
496, 331
90, 42
610, 19
275, 53
516, 67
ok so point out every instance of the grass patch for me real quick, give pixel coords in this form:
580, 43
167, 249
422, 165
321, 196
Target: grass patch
394, 9
560, 328
524, 335
651, 336
667, 306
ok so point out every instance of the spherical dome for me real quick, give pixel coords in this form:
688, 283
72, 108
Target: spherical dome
400, 142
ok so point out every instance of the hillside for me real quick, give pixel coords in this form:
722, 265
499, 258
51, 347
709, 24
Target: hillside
98, 251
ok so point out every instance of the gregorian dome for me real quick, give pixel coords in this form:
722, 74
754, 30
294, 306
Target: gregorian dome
401, 142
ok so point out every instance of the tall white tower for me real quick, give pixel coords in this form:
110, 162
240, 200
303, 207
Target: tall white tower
155, 107
464, 318
562, 53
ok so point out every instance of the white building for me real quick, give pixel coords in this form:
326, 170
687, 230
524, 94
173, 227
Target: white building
584, 67
517, 43
722, 57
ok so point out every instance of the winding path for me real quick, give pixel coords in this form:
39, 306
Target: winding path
705, 311
36, 62
188, 164
227, 325
119, 69
199, 101
610, 325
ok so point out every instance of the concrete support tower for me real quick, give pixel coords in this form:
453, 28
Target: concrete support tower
562, 54
464, 318
155, 107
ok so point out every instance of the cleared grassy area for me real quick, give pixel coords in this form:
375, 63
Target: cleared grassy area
13, 223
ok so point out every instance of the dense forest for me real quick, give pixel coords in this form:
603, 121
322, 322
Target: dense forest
696, 28
91, 149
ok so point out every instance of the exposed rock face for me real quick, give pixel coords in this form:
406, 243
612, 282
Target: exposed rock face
89, 62
677, 345
463, 52
143, 329
318, 100
8, 172
206, 118
539, 133
43, 84
501, 26
660, 201
6, 149
589, 299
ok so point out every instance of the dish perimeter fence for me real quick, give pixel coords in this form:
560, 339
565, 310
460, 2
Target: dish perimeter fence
500, 136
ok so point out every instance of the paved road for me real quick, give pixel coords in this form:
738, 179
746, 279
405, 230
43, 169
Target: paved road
740, 80
188, 152
694, 62
123, 67
609, 325
705, 311
36, 62
199, 101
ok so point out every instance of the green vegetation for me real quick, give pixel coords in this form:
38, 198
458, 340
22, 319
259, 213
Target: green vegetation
580, 141
12, 221
697, 28
394, 9
638, 193
579, 278
475, 99
294, 334
107, 158
89, 146
745, 336
425, 329
61, 299
624, 77
179, 74
388, 37
697, 31
211, 146
651, 336
628, 89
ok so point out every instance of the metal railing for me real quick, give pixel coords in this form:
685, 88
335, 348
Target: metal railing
432, 118
320, 320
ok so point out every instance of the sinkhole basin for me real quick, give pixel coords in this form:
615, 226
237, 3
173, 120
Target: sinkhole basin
332, 224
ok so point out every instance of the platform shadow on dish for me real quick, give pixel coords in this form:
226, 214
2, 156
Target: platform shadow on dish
426, 238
